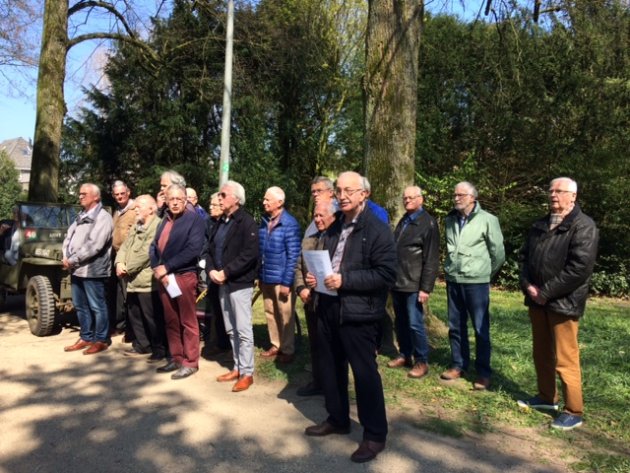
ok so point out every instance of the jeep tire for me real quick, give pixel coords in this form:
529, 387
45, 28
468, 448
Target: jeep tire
40, 306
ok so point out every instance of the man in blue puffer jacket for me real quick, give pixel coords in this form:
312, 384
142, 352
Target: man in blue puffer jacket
280, 240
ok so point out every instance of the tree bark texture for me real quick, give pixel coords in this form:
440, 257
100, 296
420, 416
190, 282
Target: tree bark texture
391, 81
51, 107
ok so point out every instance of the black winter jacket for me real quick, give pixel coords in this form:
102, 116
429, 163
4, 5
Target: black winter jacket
418, 248
368, 267
560, 262
240, 251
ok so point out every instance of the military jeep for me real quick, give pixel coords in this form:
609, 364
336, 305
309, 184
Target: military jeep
30, 262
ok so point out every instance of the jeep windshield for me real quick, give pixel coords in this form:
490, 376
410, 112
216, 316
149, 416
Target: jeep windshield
47, 216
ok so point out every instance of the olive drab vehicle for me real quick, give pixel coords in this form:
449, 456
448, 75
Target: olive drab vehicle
30, 262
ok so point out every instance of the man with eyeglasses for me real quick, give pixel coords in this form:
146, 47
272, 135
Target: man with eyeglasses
231, 264
557, 263
174, 253
474, 255
418, 247
363, 257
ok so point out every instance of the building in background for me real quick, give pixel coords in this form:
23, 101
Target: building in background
21, 152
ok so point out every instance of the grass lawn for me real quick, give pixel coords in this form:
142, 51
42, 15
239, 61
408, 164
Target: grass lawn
602, 444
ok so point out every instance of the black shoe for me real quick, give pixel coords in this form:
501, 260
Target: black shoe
184, 372
171, 366
135, 352
325, 428
309, 390
368, 450
156, 358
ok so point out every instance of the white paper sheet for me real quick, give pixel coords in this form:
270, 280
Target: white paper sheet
318, 263
172, 288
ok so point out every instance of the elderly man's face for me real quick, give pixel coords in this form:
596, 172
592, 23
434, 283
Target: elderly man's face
87, 197
215, 208
350, 194
121, 195
323, 216
191, 195
412, 200
271, 203
176, 201
561, 198
321, 193
227, 200
144, 210
464, 200
164, 183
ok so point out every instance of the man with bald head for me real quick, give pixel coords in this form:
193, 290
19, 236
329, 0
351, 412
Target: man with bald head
279, 238
87, 256
363, 257
418, 248
557, 263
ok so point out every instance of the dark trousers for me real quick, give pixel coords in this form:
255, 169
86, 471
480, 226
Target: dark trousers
473, 300
311, 326
213, 308
353, 343
180, 317
147, 321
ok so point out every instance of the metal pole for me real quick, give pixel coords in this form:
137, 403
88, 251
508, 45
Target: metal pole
224, 164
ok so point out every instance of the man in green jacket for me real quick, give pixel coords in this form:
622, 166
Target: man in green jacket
475, 253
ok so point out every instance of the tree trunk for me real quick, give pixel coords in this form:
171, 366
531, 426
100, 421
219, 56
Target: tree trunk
51, 108
391, 81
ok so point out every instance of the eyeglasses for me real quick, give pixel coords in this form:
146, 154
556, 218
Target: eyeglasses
559, 191
348, 192
406, 198
222, 195
460, 196
177, 199
215, 205
318, 191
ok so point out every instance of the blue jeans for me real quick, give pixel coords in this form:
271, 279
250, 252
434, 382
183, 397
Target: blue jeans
88, 297
473, 300
410, 330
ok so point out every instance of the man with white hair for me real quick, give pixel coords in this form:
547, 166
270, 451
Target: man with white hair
279, 238
557, 263
231, 262
474, 255
166, 179
87, 255
193, 199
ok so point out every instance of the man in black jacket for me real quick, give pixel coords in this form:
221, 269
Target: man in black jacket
418, 247
231, 264
557, 263
363, 258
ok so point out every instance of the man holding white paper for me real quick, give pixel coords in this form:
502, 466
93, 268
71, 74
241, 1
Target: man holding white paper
363, 257
174, 253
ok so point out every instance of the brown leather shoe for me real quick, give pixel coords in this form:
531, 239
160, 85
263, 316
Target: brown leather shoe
243, 383
367, 451
229, 376
400, 362
78, 345
96, 347
273, 351
481, 384
452, 374
325, 428
284, 358
419, 370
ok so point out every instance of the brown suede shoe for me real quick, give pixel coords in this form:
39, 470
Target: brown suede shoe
273, 351
229, 376
419, 370
367, 451
481, 384
452, 374
243, 383
96, 347
400, 362
78, 345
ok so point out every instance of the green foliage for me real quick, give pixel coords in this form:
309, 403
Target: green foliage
10, 188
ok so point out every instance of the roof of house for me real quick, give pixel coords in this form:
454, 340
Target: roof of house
20, 151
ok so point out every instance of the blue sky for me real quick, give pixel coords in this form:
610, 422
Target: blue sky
17, 114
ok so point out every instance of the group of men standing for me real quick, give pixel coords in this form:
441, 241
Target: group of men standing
344, 310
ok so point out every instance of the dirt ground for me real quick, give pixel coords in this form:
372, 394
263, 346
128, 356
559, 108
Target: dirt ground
70, 413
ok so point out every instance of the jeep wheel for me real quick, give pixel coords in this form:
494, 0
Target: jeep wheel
40, 306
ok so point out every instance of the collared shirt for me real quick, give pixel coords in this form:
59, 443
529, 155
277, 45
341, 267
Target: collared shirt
219, 240
346, 230
408, 218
